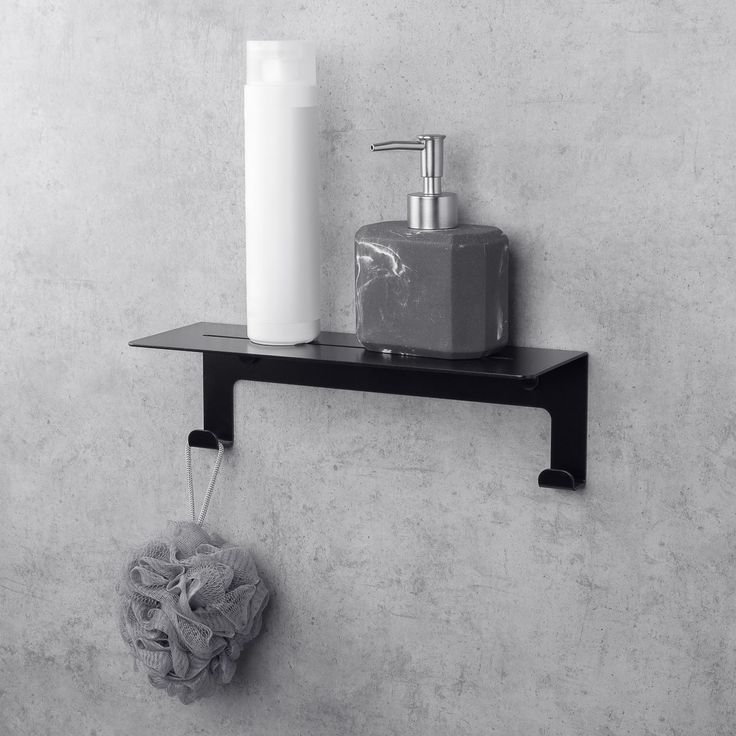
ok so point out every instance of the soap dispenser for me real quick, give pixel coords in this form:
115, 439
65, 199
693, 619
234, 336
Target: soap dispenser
428, 286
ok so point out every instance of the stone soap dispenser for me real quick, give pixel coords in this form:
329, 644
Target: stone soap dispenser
428, 286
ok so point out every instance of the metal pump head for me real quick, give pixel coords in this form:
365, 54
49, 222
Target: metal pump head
430, 209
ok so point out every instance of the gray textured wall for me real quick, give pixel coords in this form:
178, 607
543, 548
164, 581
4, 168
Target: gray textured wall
423, 583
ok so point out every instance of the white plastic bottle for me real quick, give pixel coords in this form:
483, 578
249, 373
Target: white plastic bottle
281, 193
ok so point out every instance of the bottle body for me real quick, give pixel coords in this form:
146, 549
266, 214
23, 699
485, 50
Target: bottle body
435, 293
281, 203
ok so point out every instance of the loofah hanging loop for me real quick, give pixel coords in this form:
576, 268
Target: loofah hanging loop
210, 485
188, 603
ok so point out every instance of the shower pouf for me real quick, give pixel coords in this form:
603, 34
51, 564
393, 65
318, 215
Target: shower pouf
188, 605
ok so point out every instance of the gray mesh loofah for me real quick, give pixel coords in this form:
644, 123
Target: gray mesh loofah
187, 607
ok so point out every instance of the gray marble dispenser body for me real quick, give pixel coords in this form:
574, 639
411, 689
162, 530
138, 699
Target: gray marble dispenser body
436, 293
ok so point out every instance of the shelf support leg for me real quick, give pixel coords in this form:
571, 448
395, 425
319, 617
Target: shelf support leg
565, 395
219, 373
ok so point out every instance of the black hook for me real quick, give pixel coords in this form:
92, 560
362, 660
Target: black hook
560, 479
205, 439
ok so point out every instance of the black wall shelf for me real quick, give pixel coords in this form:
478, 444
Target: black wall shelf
554, 380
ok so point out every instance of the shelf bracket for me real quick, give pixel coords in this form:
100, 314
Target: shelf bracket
563, 393
554, 380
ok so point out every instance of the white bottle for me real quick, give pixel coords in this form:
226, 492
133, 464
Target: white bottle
281, 193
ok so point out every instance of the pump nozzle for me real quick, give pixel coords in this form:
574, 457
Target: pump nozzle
430, 209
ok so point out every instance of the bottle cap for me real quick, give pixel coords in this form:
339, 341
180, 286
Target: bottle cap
280, 62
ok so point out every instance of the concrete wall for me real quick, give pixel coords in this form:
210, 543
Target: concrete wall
422, 583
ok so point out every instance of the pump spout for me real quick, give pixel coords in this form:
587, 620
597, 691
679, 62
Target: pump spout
398, 146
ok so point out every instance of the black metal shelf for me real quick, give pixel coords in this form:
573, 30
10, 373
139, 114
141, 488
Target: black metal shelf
554, 380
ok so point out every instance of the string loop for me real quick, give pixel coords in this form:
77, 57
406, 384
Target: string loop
210, 487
